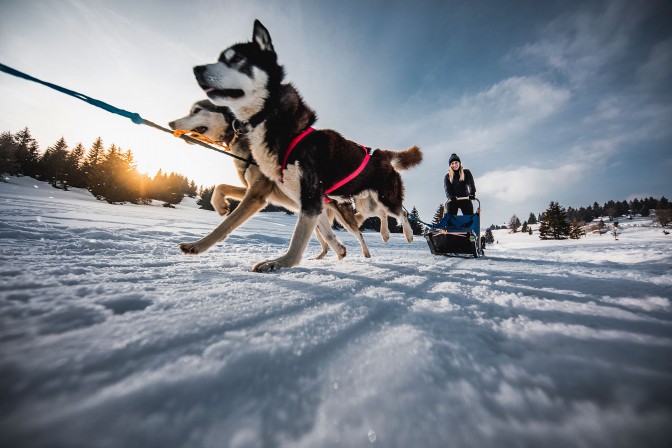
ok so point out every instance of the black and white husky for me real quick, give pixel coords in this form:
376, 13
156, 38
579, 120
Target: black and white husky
214, 122
248, 79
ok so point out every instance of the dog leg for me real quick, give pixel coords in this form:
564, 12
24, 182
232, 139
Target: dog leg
406, 226
305, 226
325, 230
254, 200
325, 247
384, 228
367, 205
219, 195
344, 214
402, 218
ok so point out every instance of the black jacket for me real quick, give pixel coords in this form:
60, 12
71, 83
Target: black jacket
460, 188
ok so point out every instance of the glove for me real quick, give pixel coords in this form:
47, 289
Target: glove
452, 198
472, 196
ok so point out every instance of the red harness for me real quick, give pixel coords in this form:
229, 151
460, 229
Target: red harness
340, 183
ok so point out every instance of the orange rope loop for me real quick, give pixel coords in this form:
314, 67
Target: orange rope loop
196, 136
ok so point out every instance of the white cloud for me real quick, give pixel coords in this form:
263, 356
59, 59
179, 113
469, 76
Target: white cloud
521, 183
493, 119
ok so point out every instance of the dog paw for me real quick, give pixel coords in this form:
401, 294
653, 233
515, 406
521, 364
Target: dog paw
189, 248
342, 252
222, 206
267, 266
385, 236
222, 211
321, 255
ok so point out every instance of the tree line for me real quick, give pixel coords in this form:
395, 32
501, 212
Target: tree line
110, 174
559, 223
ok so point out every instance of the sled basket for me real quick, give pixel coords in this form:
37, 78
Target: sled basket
457, 235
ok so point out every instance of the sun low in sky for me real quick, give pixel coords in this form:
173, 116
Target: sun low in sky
565, 101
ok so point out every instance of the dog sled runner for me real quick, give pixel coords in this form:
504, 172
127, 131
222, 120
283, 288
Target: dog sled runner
457, 235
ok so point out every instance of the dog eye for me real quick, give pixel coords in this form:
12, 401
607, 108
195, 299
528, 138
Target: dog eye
196, 110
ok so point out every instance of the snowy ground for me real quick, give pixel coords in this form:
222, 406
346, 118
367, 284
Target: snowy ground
110, 338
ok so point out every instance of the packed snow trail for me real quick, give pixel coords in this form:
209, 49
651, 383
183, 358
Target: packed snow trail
110, 337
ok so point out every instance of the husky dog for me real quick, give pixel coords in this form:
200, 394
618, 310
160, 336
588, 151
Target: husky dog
214, 122
248, 79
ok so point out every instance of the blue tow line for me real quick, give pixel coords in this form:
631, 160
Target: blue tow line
135, 118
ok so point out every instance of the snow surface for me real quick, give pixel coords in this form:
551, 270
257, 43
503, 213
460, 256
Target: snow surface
109, 337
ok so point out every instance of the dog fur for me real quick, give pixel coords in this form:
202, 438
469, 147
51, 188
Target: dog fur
248, 79
214, 122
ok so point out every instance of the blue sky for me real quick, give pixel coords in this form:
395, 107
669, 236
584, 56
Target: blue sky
544, 101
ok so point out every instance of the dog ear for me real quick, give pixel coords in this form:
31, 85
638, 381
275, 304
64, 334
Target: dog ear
262, 37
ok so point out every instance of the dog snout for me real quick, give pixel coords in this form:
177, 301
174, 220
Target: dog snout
199, 70
199, 73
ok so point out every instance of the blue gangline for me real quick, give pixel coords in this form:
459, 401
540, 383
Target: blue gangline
135, 118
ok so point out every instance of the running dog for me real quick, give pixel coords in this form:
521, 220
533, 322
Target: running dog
214, 122
308, 166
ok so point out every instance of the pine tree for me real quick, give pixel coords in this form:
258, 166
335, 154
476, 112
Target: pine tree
514, 224
74, 167
489, 237
416, 226
54, 164
27, 153
93, 157
8, 162
575, 230
532, 219
175, 189
168, 188
523, 229
553, 224
115, 178
597, 210
192, 191
438, 216
204, 199
544, 228
610, 209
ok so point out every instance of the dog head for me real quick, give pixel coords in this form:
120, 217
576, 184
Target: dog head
244, 75
207, 119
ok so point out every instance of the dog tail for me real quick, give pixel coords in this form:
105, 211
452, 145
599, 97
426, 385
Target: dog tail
407, 159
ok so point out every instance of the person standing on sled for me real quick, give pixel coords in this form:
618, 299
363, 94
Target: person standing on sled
459, 183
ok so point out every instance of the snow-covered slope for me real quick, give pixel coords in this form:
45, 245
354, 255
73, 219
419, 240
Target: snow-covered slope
109, 337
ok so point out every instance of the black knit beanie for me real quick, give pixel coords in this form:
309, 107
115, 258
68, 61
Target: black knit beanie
454, 157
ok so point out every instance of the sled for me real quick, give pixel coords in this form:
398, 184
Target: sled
457, 235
